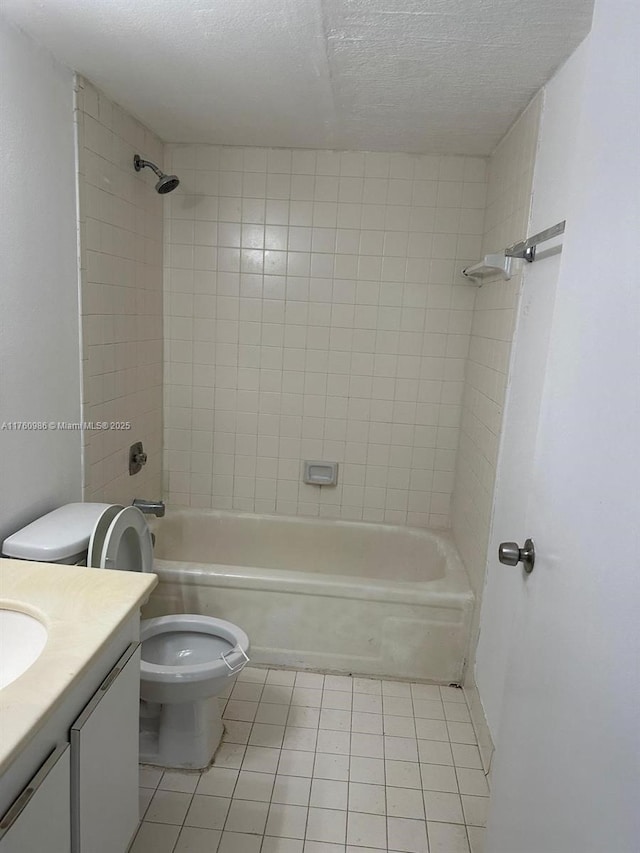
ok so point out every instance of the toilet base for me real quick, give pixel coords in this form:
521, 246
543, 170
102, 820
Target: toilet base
183, 735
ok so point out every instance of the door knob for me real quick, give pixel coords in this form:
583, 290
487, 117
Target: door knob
511, 554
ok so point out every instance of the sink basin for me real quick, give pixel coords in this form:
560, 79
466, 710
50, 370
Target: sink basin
22, 639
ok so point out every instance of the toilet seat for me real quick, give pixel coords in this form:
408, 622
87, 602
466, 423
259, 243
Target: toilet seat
229, 659
96, 540
127, 544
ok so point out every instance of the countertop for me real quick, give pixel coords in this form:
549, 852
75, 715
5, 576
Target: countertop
81, 609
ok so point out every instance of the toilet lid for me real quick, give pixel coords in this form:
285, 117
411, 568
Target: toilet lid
127, 543
96, 541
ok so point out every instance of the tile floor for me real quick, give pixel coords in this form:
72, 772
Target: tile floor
326, 764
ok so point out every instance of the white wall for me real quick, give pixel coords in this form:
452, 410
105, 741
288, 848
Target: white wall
39, 346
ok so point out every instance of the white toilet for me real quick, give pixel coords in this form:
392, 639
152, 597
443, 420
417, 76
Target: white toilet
187, 660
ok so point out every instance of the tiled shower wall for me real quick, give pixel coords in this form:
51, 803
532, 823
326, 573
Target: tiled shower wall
121, 294
314, 309
510, 177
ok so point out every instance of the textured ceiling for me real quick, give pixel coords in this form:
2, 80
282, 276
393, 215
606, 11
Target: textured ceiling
394, 75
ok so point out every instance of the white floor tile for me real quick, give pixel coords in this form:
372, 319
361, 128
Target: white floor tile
281, 845
369, 770
402, 774
432, 730
338, 682
236, 842
207, 812
144, 798
476, 836
408, 836
334, 718
397, 706
439, 777
371, 724
396, 688
461, 733
310, 679
300, 738
247, 691
405, 802
453, 694
457, 712
442, 806
264, 734
475, 809
236, 731
286, 821
237, 709
447, 838
366, 830
368, 703
306, 696
333, 741
281, 676
340, 700
218, 782
326, 825
428, 709
331, 766
322, 847
399, 726
230, 755
370, 686
329, 794
278, 694
401, 748
168, 807
367, 799
426, 692
149, 776
367, 746
292, 790
174, 780
254, 786
294, 762
261, 759
276, 715
194, 840
434, 752
247, 816
155, 838
303, 717
472, 782
251, 673
466, 755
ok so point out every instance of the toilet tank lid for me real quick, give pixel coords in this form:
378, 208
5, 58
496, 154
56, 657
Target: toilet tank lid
56, 536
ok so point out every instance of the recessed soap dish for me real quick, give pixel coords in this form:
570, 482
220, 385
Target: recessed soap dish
321, 473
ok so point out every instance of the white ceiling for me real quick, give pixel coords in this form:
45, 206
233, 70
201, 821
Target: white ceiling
394, 75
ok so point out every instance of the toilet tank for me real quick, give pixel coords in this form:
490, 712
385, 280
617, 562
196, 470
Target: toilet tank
60, 536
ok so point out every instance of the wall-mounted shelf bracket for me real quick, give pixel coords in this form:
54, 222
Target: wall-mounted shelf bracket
526, 249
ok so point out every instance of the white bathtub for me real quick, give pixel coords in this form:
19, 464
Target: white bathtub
348, 597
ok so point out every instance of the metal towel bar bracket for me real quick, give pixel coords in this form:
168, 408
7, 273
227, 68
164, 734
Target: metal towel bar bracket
526, 249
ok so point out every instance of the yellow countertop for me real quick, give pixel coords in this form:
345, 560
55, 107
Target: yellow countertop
81, 609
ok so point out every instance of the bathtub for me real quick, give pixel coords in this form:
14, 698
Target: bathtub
337, 596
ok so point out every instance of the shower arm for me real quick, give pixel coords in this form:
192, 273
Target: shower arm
139, 163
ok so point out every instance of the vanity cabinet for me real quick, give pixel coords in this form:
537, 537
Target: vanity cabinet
104, 762
84, 798
39, 819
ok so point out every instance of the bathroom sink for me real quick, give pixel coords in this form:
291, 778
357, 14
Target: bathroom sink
22, 639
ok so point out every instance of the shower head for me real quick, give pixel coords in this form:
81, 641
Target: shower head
165, 184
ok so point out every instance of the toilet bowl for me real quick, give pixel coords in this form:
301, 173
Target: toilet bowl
187, 660
186, 663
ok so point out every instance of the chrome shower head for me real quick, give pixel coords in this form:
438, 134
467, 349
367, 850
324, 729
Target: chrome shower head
166, 183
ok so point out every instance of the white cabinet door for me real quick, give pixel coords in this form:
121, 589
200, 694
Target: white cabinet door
104, 748
40, 818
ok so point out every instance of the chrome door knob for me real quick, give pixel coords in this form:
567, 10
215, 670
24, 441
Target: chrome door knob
511, 554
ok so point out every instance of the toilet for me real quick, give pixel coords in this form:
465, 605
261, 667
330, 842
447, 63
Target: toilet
187, 660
